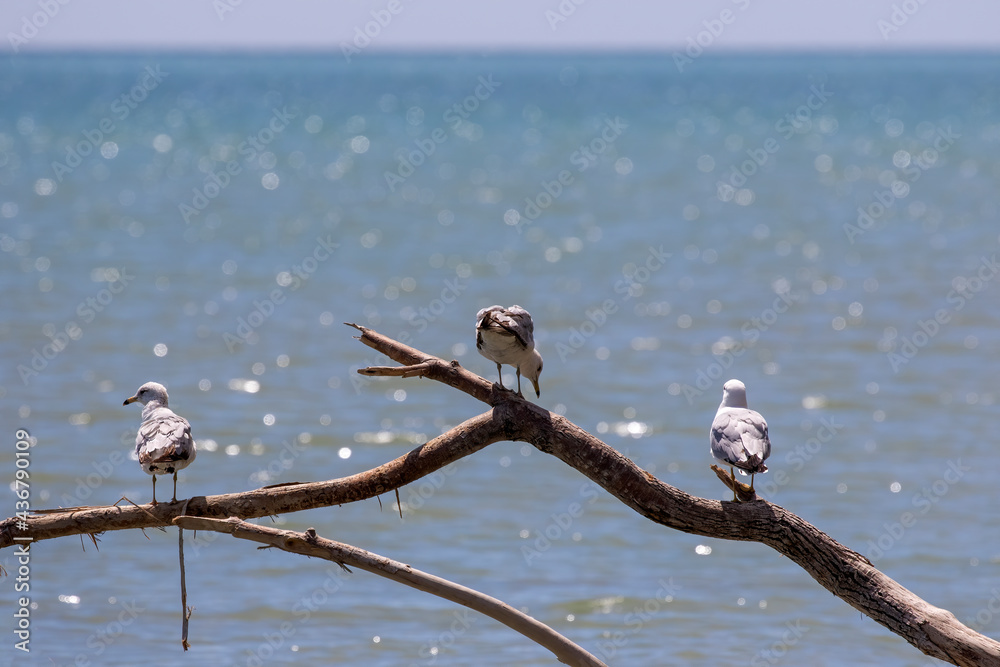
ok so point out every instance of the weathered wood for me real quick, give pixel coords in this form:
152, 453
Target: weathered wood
844, 572
460, 441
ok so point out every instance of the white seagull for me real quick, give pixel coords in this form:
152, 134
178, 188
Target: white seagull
506, 336
163, 444
739, 435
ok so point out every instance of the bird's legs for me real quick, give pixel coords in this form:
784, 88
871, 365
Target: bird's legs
732, 474
751, 483
500, 375
519, 382
154, 489
175, 488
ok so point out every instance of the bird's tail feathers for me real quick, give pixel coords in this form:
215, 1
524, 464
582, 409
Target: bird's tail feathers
755, 464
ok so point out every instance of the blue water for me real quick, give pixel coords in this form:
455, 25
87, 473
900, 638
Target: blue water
822, 227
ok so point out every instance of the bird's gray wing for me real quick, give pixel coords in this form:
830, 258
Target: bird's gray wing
484, 322
727, 443
522, 325
754, 436
482, 315
498, 320
165, 439
739, 437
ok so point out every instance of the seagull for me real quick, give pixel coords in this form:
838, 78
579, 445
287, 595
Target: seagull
163, 444
506, 336
739, 435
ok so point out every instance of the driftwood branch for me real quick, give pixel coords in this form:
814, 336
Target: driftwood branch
462, 440
843, 571
310, 544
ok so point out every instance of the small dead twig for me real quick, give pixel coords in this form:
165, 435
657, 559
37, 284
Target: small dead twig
742, 490
417, 370
185, 610
142, 509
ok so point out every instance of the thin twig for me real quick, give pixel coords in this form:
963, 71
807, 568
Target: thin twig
185, 612
144, 510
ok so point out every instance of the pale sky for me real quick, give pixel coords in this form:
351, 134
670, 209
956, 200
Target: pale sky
33, 26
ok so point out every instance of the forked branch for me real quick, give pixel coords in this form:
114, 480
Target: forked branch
844, 572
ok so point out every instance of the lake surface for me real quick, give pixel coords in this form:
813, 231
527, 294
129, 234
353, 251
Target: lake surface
822, 227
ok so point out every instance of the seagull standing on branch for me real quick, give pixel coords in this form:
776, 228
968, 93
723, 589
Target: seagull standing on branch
739, 435
163, 444
506, 336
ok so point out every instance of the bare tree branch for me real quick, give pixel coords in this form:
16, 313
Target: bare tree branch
844, 572
309, 544
460, 441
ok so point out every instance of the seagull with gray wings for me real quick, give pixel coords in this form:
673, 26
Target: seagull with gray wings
163, 444
506, 336
739, 435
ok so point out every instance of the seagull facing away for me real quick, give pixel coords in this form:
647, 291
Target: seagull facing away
163, 444
506, 336
739, 435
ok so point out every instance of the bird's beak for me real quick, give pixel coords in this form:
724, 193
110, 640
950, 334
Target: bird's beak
538, 392
132, 399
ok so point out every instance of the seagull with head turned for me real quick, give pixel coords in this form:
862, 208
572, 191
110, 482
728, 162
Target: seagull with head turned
739, 435
163, 444
506, 336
